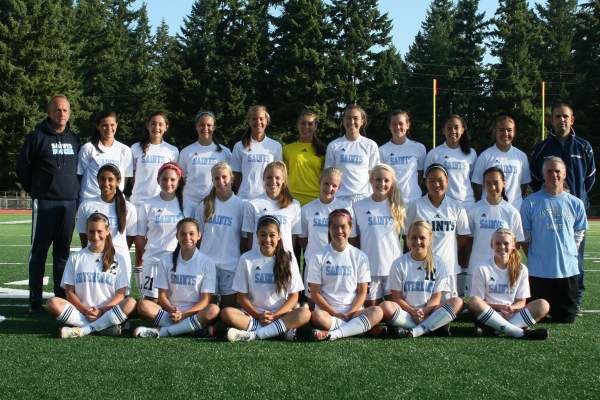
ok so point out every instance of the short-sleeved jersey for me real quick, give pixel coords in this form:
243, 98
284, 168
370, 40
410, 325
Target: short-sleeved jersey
186, 284
448, 221
552, 222
146, 167
255, 277
484, 220
304, 169
408, 160
378, 238
410, 277
93, 286
459, 166
157, 220
289, 219
355, 158
491, 283
513, 163
197, 161
315, 223
221, 233
97, 205
90, 161
251, 163
339, 274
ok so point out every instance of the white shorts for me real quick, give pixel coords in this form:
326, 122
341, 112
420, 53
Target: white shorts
453, 288
377, 288
353, 198
149, 272
225, 282
340, 309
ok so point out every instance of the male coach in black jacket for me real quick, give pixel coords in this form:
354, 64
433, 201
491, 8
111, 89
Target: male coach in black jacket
47, 169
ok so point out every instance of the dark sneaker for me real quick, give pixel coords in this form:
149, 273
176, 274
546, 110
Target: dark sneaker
400, 333
484, 331
443, 331
579, 311
535, 334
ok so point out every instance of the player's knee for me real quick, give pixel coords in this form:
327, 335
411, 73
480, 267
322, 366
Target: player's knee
128, 305
303, 315
143, 308
476, 304
211, 312
317, 317
374, 313
54, 305
388, 308
227, 315
456, 303
542, 308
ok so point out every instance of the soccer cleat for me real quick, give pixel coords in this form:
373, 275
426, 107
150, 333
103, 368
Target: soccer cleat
67, 332
379, 331
443, 331
210, 332
113, 330
145, 332
579, 311
400, 333
238, 335
484, 331
290, 336
535, 334
320, 335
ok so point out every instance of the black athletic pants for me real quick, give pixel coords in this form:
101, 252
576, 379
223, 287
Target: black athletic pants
561, 293
52, 223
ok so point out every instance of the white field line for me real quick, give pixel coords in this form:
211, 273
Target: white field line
15, 222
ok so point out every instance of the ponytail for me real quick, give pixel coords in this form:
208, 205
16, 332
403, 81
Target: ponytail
397, 208
428, 263
108, 254
209, 204
121, 207
514, 265
282, 272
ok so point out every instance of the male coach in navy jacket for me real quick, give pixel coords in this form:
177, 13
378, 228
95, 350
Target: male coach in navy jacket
578, 157
47, 169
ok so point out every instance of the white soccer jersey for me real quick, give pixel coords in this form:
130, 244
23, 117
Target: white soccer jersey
251, 164
447, 221
146, 167
491, 283
93, 286
407, 159
157, 220
289, 219
378, 238
513, 163
355, 158
339, 274
255, 277
459, 166
197, 161
90, 160
221, 233
186, 284
484, 220
315, 223
417, 286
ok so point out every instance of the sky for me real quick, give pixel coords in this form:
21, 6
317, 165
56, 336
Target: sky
406, 16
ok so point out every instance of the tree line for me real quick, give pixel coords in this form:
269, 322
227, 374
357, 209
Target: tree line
293, 55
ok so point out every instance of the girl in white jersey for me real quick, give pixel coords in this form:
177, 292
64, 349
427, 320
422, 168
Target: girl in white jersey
457, 156
220, 218
157, 222
406, 156
148, 156
277, 201
488, 215
102, 149
267, 282
121, 213
499, 291
186, 283
339, 276
417, 281
252, 154
379, 223
448, 220
512, 161
95, 282
354, 154
197, 159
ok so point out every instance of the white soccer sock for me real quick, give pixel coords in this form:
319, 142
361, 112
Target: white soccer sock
355, 326
495, 321
440, 317
115, 316
162, 319
275, 328
402, 319
335, 323
253, 325
71, 316
138, 276
187, 325
522, 319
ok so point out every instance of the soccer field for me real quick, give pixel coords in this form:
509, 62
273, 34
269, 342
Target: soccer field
35, 364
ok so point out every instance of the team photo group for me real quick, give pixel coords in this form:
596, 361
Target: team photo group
307, 240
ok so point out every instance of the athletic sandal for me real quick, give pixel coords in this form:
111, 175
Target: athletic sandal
145, 332
238, 335
320, 335
535, 334
67, 332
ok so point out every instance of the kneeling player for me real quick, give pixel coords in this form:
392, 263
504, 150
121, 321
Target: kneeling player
186, 282
267, 282
417, 280
95, 281
338, 277
499, 289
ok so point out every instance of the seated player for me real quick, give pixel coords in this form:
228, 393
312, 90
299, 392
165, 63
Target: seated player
95, 281
499, 290
185, 281
417, 280
338, 277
